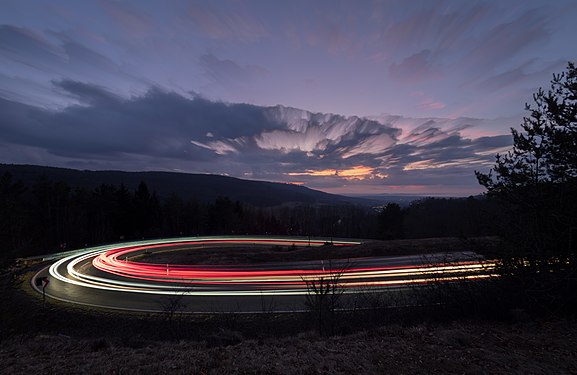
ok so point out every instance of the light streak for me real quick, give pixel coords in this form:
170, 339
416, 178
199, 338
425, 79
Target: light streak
107, 268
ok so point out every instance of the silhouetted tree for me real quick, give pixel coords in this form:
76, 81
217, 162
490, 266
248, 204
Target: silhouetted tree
174, 215
536, 183
224, 216
99, 207
324, 293
13, 217
51, 204
450, 217
391, 221
123, 224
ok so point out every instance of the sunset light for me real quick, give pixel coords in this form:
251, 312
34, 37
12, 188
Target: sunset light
355, 173
336, 98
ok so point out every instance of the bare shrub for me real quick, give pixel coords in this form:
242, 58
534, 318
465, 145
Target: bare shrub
172, 304
324, 294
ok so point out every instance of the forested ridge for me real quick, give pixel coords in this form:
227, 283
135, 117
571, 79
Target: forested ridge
200, 187
48, 215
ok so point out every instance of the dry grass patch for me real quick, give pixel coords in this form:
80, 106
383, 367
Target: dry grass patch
260, 254
544, 347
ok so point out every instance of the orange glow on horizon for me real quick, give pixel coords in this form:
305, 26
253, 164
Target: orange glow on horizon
358, 172
310, 172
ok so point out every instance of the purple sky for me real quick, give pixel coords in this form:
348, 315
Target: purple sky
343, 96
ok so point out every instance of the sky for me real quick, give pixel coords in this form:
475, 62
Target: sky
348, 97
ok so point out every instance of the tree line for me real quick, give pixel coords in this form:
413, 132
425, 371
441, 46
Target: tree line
48, 216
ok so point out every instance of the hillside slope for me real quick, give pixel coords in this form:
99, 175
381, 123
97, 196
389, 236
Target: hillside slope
201, 187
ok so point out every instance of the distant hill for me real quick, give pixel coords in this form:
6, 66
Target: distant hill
201, 187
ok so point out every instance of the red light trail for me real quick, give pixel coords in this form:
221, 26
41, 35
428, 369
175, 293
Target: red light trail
118, 269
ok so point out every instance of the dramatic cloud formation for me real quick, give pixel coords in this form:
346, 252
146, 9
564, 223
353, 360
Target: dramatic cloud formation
160, 86
167, 131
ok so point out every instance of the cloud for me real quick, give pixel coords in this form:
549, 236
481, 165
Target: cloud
333, 36
156, 124
415, 68
34, 59
130, 19
508, 38
431, 104
234, 23
165, 131
50, 53
26, 47
440, 25
227, 72
87, 93
527, 71
355, 173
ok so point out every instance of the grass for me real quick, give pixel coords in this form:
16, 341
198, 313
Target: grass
262, 254
543, 347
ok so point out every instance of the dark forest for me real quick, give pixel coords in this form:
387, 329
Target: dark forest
48, 216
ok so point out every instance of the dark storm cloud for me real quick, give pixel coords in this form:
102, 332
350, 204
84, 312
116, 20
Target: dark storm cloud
485, 143
90, 94
156, 124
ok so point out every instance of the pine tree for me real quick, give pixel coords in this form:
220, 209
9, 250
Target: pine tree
536, 183
546, 150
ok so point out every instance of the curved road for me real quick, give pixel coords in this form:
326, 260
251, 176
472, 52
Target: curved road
106, 276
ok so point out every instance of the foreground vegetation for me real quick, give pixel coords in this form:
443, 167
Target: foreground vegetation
529, 347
